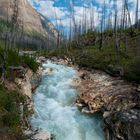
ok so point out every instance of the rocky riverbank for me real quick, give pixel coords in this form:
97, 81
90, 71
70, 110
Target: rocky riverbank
116, 99
26, 81
28, 87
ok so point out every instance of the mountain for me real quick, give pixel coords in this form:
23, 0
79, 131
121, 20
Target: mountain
28, 18
49, 27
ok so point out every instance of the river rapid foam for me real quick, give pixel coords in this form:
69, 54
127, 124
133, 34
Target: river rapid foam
54, 108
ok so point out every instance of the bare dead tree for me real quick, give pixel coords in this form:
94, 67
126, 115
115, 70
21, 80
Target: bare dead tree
117, 46
136, 14
128, 13
102, 18
3, 53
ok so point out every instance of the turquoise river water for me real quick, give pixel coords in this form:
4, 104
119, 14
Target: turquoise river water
55, 110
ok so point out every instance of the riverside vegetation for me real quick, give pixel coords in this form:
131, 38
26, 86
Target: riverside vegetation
87, 53
10, 100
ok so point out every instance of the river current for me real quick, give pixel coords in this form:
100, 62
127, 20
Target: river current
54, 108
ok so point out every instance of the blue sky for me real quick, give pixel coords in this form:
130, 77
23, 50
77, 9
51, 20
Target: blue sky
61, 9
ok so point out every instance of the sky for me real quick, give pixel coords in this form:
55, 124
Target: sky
61, 9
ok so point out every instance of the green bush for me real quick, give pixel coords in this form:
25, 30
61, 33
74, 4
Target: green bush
14, 59
132, 69
5, 26
30, 62
10, 111
92, 57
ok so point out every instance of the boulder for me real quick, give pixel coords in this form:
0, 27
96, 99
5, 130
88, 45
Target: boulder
17, 72
123, 125
48, 70
42, 135
138, 88
41, 60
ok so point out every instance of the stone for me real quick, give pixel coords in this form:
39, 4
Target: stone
42, 135
138, 88
35, 81
86, 110
41, 60
48, 70
54, 59
18, 81
17, 72
106, 114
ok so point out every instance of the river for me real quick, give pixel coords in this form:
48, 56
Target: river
54, 108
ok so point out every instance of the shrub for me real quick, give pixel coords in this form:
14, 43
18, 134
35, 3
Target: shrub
30, 62
14, 59
132, 69
10, 111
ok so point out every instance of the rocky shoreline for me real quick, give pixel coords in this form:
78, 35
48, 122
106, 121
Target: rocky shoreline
32, 82
116, 99
26, 81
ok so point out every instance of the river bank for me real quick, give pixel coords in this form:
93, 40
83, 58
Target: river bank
24, 81
116, 99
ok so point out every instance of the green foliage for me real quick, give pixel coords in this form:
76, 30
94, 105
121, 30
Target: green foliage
90, 34
14, 59
109, 32
30, 62
132, 69
92, 57
5, 26
10, 111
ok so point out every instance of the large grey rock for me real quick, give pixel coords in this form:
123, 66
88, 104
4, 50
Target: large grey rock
42, 135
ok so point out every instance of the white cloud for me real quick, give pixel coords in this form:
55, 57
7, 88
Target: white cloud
47, 8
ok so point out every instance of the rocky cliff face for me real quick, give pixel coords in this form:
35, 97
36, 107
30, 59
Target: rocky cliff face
27, 17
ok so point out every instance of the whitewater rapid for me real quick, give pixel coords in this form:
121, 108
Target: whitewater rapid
54, 108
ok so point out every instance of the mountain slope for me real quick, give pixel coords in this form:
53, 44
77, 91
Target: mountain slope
27, 17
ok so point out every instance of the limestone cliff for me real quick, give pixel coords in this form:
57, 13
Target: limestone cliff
27, 17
